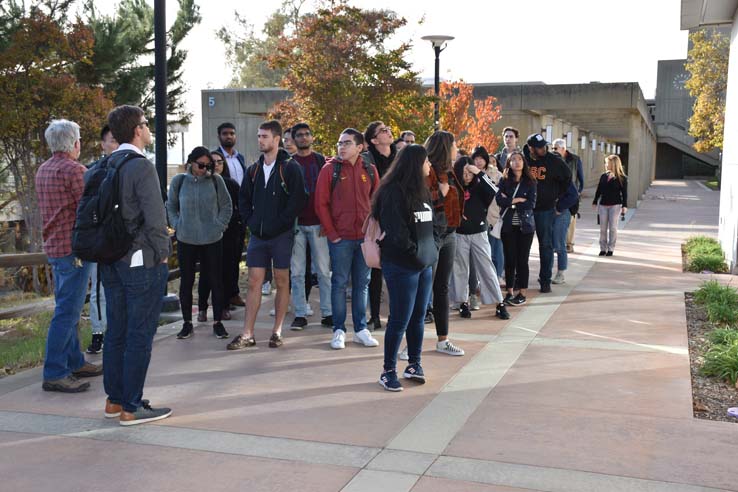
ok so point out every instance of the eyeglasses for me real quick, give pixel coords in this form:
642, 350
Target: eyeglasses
382, 130
302, 135
203, 165
344, 143
217, 161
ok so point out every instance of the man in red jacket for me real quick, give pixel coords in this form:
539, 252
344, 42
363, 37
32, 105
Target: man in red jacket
343, 201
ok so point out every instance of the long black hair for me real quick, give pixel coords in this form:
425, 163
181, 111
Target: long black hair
405, 172
459, 166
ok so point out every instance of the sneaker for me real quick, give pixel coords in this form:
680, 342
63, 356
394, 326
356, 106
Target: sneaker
446, 347
88, 370
545, 287
389, 381
501, 311
266, 288
339, 340
603, 253
240, 342
414, 372
508, 299
69, 384
236, 301
299, 323
273, 311
327, 321
374, 324
275, 341
96, 344
559, 278
464, 310
202, 315
365, 338
609, 253
113, 410
403, 355
309, 311
145, 413
518, 300
186, 331
429, 317
474, 302
219, 330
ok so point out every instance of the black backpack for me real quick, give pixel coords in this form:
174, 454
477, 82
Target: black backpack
337, 165
100, 234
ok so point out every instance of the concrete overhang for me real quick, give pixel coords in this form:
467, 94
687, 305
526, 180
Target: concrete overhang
699, 13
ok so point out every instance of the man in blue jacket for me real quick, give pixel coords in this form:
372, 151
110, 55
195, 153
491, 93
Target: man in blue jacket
272, 195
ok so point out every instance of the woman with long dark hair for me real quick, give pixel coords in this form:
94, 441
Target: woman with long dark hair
199, 209
231, 251
402, 205
447, 198
517, 198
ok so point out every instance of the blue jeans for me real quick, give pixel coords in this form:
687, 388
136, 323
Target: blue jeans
498, 255
544, 231
98, 318
347, 260
409, 292
63, 354
135, 298
560, 229
321, 262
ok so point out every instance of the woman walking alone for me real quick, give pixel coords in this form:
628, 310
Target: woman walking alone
612, 194
402, 205
517, 198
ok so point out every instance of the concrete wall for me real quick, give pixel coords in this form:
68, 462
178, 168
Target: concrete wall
728, 230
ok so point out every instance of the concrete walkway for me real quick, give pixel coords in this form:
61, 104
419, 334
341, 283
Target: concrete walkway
585, 389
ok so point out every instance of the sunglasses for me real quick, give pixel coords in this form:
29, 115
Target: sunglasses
200, 165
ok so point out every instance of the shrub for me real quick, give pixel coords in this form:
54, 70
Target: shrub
723, 336
721, 361
712, 292
704, 253
722, 314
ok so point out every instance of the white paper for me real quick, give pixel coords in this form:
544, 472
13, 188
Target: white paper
137, 259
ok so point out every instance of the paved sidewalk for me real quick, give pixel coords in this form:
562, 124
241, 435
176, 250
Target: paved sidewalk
585, 389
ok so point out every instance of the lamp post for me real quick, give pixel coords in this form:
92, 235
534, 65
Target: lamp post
438, 42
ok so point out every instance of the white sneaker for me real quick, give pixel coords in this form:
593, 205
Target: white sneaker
474, 303
559, 278
403, 354
309, 311
365, 338
455, 306
446, 347
266, 288
339, 340
273, 311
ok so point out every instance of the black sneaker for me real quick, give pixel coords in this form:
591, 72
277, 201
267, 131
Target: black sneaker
389, 381
299, 323
464, 310
414, 372
219, 330
96, 344
374, 324
429, 316
501, 311
609, 253
508, 299
545, 287
603, 253
145, 413
518, 300
327, 321
186, 331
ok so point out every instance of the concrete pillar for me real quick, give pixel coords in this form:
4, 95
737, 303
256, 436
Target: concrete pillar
635, 159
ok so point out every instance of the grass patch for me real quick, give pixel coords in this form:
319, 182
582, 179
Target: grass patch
721, 360
23, 340
713, 184
721, 303
704, 254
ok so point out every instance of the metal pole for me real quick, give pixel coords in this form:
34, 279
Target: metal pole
160, 92
436, 112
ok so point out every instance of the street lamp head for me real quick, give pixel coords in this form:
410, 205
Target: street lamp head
437, 40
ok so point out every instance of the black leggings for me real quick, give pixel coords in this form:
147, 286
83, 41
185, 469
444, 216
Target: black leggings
375, 292
517, 250
211, 266
441, 277
230, 270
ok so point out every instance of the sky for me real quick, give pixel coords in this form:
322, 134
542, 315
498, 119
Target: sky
567, 41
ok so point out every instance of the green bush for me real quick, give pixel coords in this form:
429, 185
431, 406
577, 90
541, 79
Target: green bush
704, 253
723, 336
712, 292
721, 361
698, 240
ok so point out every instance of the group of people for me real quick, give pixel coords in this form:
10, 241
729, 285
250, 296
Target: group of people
452, 223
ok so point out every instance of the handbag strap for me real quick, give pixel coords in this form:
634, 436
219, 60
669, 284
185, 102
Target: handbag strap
513, 197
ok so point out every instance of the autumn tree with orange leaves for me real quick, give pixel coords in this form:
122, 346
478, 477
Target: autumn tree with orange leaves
468, 119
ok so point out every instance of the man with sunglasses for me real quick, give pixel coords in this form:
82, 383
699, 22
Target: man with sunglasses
380, 152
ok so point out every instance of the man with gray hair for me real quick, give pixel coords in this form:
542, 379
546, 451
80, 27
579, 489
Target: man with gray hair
562, 222
59, 187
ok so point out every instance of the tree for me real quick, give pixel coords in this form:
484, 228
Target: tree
37, 84
342, 74
707, 63
468, 119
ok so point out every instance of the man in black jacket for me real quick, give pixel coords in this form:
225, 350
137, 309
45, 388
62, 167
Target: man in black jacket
272, 195
553, 179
